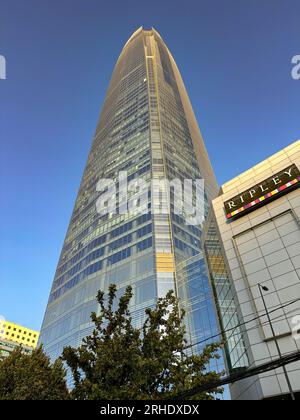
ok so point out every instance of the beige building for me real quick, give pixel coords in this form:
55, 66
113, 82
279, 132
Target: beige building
252, 247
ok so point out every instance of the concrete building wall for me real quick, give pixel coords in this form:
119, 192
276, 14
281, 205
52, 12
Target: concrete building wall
263, 247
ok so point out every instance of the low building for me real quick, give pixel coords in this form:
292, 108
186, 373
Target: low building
252, 251
14, 335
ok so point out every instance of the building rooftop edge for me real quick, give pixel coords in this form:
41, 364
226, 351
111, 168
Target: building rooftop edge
7, 322
242, 174
138, 31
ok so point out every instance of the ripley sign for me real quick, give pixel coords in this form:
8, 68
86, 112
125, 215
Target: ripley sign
262, 193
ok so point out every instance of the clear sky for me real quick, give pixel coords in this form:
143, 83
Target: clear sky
235, 58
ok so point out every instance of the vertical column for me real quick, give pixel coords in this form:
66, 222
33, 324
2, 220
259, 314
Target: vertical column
165, 267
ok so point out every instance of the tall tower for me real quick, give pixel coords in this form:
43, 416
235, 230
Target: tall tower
147, 127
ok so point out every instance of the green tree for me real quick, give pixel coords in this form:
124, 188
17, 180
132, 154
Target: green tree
120, 362
32, 377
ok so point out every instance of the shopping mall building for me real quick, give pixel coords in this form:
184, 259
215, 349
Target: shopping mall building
252, 249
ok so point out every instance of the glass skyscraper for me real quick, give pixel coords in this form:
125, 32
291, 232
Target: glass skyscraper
147, 127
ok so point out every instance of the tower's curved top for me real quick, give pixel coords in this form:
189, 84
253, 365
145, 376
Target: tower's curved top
155, 49
142, 30
135, 33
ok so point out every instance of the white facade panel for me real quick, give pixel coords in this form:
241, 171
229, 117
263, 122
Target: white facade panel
263, 247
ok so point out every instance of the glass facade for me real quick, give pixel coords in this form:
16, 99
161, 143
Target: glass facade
147, 127
231, 322
195, 296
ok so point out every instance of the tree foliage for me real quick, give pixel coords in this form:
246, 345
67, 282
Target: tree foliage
31, 377
119, 361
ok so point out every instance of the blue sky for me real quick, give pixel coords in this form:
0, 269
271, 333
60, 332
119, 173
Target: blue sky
235, 58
